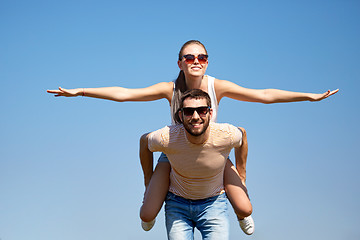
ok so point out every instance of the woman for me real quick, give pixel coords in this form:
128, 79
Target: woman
193, 62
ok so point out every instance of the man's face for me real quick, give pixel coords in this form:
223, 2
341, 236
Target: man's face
197, 122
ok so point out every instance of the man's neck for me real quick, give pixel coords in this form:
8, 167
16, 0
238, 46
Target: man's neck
198, 139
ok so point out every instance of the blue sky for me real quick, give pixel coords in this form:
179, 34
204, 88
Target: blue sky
69, 167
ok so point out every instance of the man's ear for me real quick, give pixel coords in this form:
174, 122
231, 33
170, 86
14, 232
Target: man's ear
180, 115
211, 113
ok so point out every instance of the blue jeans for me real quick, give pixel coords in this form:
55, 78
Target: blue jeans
209, 216
163, 158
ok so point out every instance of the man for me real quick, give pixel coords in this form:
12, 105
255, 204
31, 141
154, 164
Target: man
197, 150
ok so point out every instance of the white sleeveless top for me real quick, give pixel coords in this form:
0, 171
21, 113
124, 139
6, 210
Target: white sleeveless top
212, 94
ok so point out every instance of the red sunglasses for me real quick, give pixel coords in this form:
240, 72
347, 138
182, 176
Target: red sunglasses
190, 58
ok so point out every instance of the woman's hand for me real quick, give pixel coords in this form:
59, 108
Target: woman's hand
62, 92
318, 97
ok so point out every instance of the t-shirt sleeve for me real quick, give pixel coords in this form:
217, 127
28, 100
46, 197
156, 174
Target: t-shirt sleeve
156, 140
237, 136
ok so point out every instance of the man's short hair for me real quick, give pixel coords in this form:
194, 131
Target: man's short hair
197, 94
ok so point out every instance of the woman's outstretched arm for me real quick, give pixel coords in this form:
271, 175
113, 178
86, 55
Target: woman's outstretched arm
228, 89
120, 94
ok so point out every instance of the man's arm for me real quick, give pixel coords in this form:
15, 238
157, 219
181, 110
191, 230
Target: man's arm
146, 159
241, 156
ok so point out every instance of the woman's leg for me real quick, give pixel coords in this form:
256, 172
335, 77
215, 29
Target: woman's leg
234, 181
156, 182
156, 191
236, 191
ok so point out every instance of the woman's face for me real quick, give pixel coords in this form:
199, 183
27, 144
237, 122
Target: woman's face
194, 69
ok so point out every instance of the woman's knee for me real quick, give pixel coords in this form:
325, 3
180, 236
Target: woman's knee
147, 213
243, 210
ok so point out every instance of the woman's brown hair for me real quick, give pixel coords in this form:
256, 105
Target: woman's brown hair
180, 83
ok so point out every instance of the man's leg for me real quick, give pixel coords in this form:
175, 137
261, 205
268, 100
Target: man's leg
179, 226
213, 219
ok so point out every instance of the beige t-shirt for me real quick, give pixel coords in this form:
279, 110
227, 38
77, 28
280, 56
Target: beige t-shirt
196, 169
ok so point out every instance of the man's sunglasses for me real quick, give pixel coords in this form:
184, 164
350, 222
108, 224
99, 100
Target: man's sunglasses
189, 112
190, 59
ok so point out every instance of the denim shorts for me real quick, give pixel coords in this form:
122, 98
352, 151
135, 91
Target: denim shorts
209, 216
163, 158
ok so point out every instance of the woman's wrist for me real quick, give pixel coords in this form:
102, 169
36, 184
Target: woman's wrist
312, 97
80, 92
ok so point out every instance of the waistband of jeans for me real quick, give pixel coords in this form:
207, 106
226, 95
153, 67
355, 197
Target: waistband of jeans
213, 198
